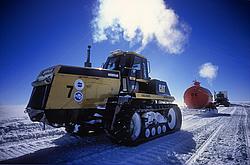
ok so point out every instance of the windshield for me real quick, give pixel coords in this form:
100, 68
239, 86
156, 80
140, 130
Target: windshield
112, 63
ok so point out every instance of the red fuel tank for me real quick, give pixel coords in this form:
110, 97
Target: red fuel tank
197, 97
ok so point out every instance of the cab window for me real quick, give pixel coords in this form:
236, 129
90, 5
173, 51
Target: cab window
145, 69
140, 64
112, 63
136, 66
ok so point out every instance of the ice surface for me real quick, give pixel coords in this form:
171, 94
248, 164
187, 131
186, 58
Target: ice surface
10, 111
204, 139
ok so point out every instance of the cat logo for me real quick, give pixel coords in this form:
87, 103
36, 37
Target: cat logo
162, 88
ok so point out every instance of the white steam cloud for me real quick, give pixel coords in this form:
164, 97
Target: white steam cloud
139, 22
208, 71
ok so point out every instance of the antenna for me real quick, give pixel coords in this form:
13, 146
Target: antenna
88, 63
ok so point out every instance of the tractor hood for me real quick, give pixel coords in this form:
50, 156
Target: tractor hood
66, 88
95, 72
46, 76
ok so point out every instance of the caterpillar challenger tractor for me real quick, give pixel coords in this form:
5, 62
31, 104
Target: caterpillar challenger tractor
119, 98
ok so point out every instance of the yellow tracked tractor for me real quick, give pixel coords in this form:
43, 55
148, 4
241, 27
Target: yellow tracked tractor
119, 98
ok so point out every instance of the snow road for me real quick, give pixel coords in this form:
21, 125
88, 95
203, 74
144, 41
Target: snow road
204, 139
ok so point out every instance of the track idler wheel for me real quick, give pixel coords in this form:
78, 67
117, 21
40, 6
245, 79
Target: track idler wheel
174, 119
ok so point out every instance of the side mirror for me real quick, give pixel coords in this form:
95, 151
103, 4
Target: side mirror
149, 67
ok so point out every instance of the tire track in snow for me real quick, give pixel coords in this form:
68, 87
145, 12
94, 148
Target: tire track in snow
203, 136
197, 122
247, 126
202, 148
229, 139
19, 134
205, 142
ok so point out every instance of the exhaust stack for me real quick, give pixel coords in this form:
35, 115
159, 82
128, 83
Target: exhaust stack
88, 63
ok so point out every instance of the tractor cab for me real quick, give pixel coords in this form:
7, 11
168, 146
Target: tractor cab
130, 64
135, 74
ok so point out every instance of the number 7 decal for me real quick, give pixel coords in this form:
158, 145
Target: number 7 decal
70, 87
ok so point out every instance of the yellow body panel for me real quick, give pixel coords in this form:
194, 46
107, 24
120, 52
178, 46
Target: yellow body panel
154, 97
95, 92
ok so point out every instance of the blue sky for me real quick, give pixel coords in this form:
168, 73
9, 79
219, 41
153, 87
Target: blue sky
37, 34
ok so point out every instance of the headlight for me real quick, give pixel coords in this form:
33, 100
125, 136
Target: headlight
46, 78
46, 75
47, 71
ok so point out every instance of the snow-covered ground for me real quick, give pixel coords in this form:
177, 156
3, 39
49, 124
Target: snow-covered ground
204, 139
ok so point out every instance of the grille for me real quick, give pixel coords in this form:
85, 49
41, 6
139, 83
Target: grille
39, 97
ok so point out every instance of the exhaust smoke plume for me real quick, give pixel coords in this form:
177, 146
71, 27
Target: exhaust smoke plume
139, 22
208, 71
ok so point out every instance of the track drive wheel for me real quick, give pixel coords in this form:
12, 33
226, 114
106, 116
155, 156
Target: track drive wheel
135, 126
127, 129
